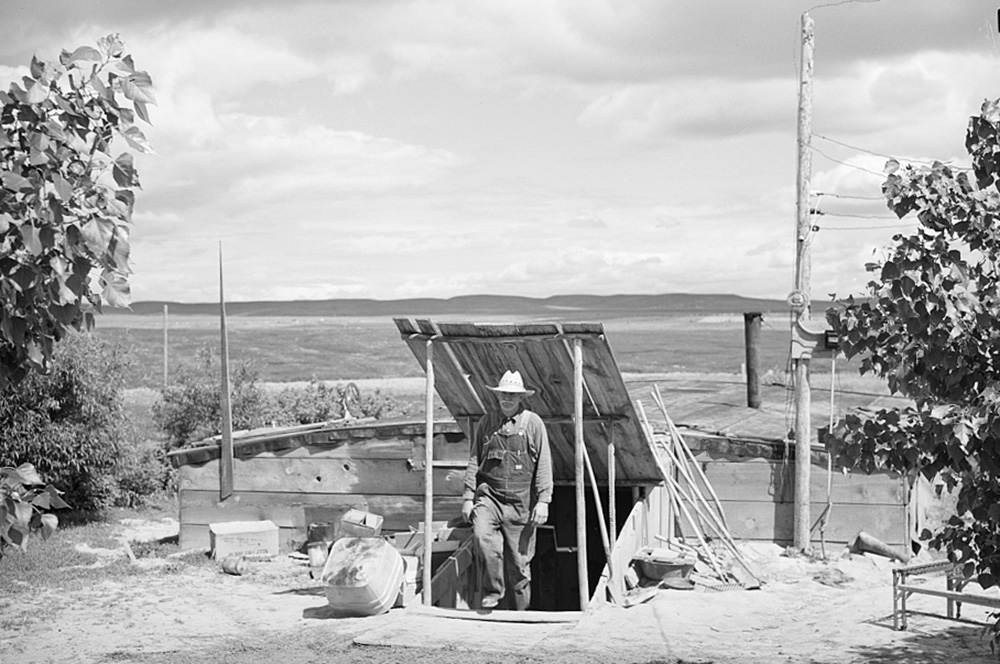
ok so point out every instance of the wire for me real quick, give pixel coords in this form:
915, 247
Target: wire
834, 4
838, 161
857, 198
855, 228
879, 154
824, 213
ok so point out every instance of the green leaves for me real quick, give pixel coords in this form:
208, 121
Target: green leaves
97, 234
139, 87
14, 182
24, 504
24, 474
124, 170
930, 327
116, 291
58, 129
82, 54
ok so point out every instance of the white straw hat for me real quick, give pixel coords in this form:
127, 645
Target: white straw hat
511, 382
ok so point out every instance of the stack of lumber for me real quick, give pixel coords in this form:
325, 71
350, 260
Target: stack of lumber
701, 528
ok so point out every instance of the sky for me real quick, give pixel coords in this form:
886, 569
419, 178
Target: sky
429, 148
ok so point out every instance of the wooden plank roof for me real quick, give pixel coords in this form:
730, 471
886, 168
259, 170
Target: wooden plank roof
470, 356
247, 444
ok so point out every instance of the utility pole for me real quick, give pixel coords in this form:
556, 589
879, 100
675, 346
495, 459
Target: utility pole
799, 299
226, 442
165, 347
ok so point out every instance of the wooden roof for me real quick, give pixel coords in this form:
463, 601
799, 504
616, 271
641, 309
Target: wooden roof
250, 443
470, 356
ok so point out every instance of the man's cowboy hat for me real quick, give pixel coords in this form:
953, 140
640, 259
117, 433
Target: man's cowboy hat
511, 382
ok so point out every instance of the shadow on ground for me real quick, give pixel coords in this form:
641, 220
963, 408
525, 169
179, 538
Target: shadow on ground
306, 590
959, 643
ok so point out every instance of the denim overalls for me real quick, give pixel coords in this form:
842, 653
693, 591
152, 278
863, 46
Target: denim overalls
507, 464
501, 516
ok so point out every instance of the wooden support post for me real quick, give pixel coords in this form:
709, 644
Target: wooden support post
751, 338
581, 505
612, 488
616, 581
429, 475
605, 537
165, 347
803, 228
226, 443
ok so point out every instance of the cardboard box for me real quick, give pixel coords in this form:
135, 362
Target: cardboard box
251, 539
357, 523
409, 592
445, 539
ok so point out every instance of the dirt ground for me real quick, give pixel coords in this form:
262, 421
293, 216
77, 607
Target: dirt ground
807, 611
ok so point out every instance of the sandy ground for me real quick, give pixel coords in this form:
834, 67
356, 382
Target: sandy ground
807, 611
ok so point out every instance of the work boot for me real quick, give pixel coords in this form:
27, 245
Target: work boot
490, 601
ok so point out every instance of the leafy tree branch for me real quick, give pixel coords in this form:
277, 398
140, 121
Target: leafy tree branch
930, 326
66, 197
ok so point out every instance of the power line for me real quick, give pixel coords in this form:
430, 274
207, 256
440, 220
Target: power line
824, 213
838, 2
857, 198
856, 228
886, 156
838, 161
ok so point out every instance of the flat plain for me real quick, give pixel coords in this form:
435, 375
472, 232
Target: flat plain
291, 348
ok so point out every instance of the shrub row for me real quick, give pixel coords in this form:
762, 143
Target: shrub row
189, 410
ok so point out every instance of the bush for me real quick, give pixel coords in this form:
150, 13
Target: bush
320, 402
189, 410
70, 423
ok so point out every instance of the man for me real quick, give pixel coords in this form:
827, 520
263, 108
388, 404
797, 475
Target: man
508, 488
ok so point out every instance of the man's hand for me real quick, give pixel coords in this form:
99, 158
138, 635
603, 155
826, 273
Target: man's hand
467, 510
540, 514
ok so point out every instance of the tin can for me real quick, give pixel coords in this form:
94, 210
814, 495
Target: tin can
317, 553
235, 565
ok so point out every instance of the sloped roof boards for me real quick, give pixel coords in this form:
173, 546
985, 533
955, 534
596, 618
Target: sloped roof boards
470, 356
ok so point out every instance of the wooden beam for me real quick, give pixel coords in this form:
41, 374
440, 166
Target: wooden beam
612, 490
429, 475
605, 538
581, 506
503, 338
569, 419
526, 617
982, 600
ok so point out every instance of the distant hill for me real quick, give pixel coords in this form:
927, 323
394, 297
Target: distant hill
558, 306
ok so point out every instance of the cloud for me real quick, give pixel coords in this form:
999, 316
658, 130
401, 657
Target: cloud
585, 222
429, 147
694, 109
916, 106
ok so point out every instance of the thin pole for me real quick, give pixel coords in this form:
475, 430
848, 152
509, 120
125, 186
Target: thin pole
429, 473
581, 505
599, 508
751, 339
226, 460
165, 346
612, 488
612, 513
803, 397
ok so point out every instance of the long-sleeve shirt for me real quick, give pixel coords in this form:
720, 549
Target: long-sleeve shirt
538, 443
